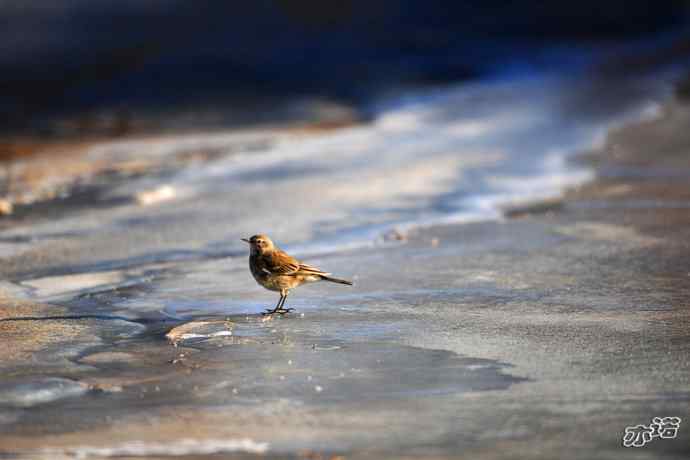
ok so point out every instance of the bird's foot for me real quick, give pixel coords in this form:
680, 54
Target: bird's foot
280, 311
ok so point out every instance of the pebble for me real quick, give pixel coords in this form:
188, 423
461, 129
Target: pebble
6, 207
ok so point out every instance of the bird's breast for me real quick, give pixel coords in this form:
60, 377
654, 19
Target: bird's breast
263, 276
256, 266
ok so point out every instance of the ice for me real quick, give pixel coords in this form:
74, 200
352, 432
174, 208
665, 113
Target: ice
199, 330
40, 392
180, 447
71, 284
156, 195
463, 153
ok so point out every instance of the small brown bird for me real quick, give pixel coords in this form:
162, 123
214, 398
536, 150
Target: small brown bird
278, 271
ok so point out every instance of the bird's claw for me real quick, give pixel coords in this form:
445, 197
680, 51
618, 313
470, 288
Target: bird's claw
280, 311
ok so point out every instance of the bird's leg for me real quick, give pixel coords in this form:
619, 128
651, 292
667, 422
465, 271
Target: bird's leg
282, 310
278, 306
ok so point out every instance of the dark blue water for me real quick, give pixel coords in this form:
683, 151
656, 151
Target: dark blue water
72, 57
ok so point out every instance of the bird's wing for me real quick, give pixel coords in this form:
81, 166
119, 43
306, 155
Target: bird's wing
280, 263
305, 269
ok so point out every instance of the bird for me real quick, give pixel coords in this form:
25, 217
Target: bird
276, 270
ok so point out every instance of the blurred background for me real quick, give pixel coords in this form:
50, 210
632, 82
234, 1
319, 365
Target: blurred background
110, 68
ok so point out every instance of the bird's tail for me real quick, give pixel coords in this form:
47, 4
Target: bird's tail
336, 280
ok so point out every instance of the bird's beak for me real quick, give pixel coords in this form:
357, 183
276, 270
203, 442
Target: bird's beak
245, 240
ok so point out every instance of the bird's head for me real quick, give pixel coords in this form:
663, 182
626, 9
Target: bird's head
259, 244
